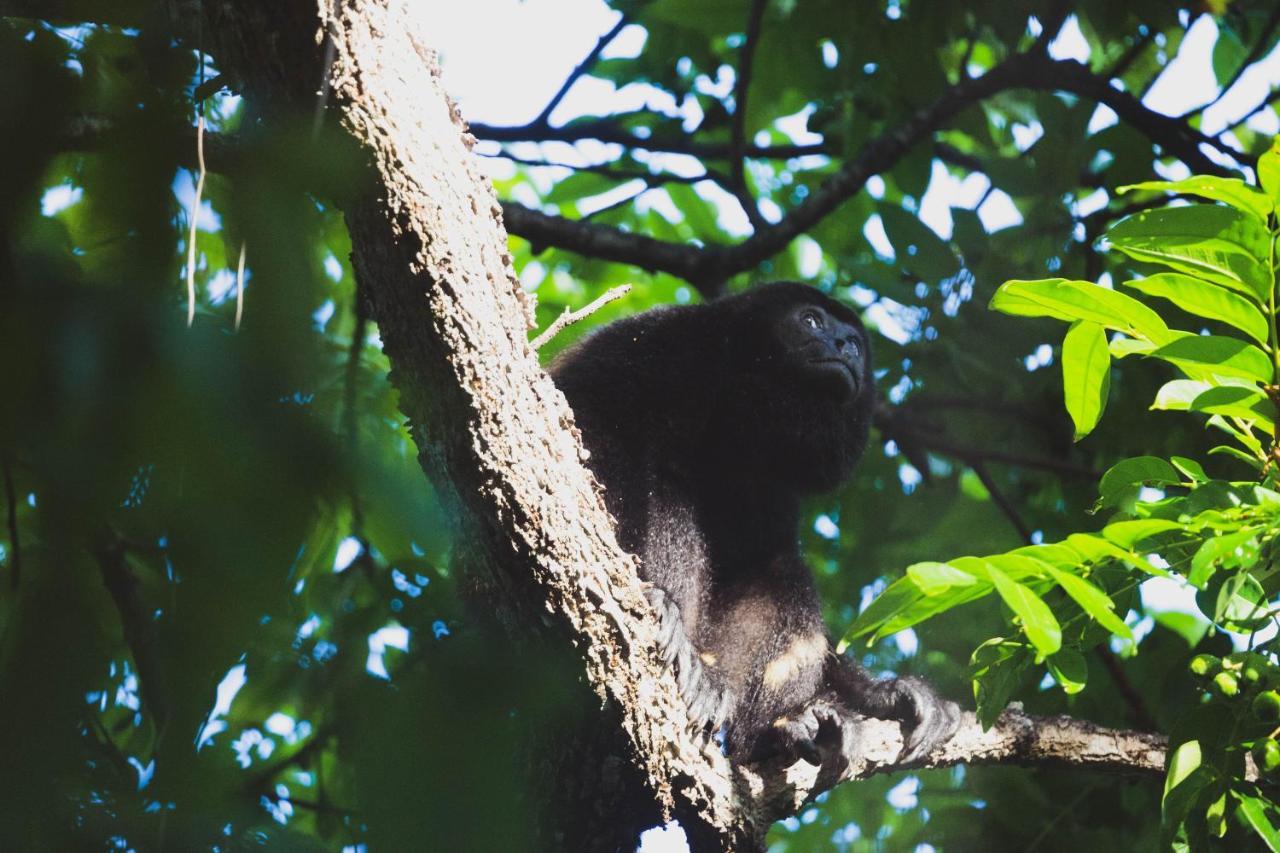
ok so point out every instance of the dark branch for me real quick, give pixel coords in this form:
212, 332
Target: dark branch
582, 68
653, 179
738, 136
1259, 49
136, 624
1002, 502
611, 130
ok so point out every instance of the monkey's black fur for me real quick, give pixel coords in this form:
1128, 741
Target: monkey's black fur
707, 425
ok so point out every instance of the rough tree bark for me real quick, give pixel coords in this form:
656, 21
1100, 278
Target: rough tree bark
497, 439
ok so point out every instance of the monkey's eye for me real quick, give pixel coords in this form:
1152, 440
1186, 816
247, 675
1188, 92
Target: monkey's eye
811, 319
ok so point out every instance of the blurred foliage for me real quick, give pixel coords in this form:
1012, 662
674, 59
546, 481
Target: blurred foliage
227, 618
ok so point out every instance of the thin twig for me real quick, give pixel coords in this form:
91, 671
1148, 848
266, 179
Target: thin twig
1139, 714
15, 548
581, 68
737, 159
609, 171
998, 497
240, 285
195, 220
570, 317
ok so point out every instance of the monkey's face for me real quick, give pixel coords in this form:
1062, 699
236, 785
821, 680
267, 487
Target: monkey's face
824, 350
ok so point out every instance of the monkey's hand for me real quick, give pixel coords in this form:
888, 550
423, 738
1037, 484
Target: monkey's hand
928, 720
707, 701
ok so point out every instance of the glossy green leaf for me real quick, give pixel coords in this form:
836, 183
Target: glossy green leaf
1232, 191
1236, 453
1080, 300
1069, 669
997, 668
936, 578
1176, 395
1254, 812
1199, 297
1041, 627
1147, 470
1269, 171
1184, 759
1236, 401
898, 596
1093, 601
1221, 550
1129, 533
1190, 468
1121, 347
1086, 375
1207, 240
1202, 356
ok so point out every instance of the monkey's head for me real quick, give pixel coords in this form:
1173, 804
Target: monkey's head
803, 384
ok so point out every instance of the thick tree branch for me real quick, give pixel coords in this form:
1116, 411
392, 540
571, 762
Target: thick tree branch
1015, 739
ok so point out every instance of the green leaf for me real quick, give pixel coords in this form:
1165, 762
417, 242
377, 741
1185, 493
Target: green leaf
1080, 300
1147, 470
899, 595
1037, 620
1204, 356
1208, 240
1253, 810
1096, 549
1176, 395
1269, 171
1236, 602
1069, 670
1086, 375
937, 578
1190, 468
1121, 346
1236, 453
1221, 550
996, 668
1129, 533
1182, 762
1236, 401
1093, 601
1203, 299
1232, 191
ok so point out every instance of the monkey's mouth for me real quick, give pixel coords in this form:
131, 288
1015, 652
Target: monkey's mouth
840, 367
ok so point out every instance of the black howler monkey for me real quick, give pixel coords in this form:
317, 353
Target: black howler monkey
707, 425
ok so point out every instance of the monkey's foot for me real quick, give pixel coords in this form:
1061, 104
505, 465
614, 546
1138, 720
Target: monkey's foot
929, 720
818, 733
707, 701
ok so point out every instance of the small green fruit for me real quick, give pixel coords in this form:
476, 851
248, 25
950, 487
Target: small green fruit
1226, 685
1266, 754
1204, 666
1266, 706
